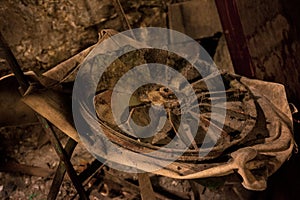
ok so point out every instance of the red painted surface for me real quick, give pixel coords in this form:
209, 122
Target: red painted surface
235, 37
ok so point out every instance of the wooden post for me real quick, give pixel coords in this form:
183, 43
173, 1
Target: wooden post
235, 37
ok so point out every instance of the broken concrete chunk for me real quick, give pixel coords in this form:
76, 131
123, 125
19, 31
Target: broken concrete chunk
222, 57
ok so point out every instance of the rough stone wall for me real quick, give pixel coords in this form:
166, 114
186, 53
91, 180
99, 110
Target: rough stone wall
272, 42
44, 33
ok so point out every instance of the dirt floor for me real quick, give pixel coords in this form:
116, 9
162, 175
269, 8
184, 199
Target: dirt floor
42, 34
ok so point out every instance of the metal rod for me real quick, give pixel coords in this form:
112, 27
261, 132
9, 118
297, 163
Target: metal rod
13, 64
63, 157
121, 13
235, 37
61, 170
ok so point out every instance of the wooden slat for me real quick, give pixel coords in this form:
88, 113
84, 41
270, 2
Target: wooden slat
55, 107
146, 189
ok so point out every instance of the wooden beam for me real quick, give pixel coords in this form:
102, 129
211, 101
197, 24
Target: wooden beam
235, 37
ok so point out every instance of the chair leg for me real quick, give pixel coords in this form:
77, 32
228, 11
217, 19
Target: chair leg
61, 171
61, 152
